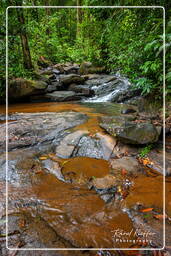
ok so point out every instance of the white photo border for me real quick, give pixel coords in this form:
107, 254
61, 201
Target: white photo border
164, 105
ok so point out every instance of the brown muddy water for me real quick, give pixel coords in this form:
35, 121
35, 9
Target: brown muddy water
52, 213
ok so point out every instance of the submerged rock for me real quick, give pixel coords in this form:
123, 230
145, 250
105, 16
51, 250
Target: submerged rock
106, 187
130, 164
81, 170
129, 131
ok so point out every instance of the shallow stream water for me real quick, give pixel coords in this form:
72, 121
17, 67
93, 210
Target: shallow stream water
47, 212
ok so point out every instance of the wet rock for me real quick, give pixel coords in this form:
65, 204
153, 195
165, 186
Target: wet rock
104, 183
106, 187
71, 68
96, 80
52, 87
53, 168
81, 89
19, 159
129, 164
157, 164
107, 144
61, 96
100, 146
130, 132
85, 67
125, 95
89, 147
31, 129
20, 87
110, 90
143, 104
68, 144
71, 78
59, 67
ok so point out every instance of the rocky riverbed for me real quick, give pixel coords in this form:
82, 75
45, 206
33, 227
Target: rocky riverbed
85, 165
72, 184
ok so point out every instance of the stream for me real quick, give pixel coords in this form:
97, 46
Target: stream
73, 184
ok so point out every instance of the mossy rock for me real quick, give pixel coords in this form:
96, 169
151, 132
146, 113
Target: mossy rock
21, 87
130, 132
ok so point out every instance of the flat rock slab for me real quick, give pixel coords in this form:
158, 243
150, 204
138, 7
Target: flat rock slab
33, 128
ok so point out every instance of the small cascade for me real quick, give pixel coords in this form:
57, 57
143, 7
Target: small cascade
109, 91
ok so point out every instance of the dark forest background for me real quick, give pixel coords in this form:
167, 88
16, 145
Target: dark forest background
126, 40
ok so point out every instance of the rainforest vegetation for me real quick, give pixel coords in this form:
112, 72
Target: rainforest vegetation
126, 40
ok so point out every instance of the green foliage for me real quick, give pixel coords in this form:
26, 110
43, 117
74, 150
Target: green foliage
145, 84
128, 40
145, 151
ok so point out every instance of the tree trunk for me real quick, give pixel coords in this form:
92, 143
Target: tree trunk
24, 40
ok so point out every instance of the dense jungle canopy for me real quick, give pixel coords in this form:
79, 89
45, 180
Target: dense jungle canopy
128, 40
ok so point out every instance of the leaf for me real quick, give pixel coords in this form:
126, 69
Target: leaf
160, 216
43, 158
147, 210
66, 161
124, 172
145, 161
38, 171
22, 223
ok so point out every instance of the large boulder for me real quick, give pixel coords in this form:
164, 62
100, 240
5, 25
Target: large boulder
130, 132
71, 78
21, 87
